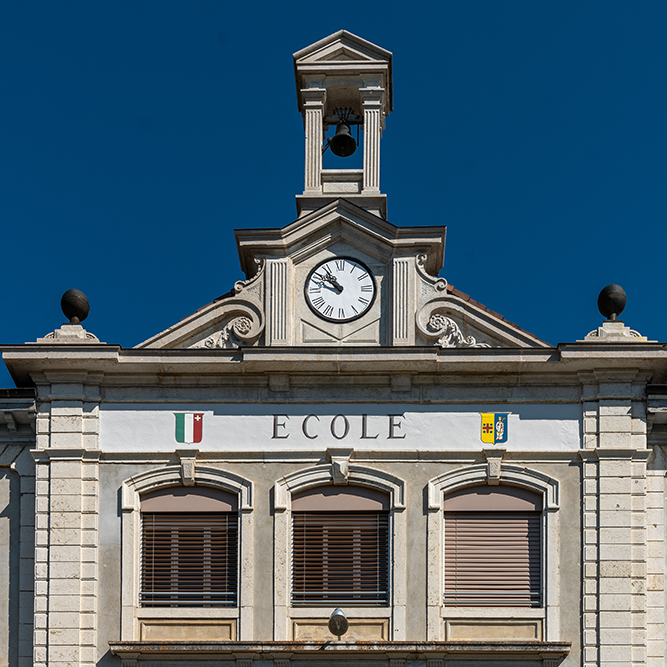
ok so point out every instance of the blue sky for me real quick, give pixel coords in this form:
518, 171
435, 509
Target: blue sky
137, 135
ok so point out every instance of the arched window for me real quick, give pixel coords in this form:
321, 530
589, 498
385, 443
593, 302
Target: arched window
493, 547
189, 548
340, 546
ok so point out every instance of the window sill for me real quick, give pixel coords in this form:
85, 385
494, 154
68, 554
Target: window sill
350, 612
187, 612
493, 612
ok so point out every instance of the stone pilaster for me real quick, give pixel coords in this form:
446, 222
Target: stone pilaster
279, 319
614, 513
655, 559
17, 549
66, 522
372, 97
403, 330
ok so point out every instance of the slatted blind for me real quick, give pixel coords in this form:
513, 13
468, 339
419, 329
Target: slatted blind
492, 559
189, 560
340, 557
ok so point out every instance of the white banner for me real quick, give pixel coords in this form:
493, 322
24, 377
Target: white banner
265, 427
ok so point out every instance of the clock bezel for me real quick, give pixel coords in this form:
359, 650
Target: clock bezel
347, 319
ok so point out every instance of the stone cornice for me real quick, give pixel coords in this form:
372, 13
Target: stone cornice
30, 364
325, 651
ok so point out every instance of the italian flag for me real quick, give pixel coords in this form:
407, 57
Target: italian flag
189, 427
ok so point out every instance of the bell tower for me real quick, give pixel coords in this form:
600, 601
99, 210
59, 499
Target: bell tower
343, 80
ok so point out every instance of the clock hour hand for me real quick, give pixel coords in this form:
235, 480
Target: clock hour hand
330, 279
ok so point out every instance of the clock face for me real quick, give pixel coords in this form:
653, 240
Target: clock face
340, 289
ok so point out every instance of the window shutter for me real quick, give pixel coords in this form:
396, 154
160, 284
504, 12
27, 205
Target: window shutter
189, 560
492, 559
340, 557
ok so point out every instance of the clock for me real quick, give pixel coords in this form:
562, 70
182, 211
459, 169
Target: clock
341, 289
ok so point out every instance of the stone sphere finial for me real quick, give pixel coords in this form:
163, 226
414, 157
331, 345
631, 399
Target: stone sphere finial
611, 301
75, 306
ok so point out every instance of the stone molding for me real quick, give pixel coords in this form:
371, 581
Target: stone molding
150, 480
474, 475
484, 473
172, 475
322, 474
326, 474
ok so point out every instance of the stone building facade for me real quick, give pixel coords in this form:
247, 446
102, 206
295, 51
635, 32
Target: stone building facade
342, 430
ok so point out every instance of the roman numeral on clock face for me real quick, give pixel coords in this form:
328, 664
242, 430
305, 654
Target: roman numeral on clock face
317, 302
363, 301
328, 310
340, 264
367, 288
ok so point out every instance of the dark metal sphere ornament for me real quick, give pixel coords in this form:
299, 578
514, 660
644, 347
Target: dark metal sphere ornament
75, 306
611, 301
338, 623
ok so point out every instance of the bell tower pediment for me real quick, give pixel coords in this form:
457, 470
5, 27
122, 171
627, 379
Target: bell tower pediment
342, 46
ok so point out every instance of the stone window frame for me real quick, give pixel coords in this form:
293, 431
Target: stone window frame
162, 478
325, 475
511, 475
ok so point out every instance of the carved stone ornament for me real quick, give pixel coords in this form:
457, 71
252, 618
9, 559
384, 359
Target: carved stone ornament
446, 331
614, 331
494, 459
254, 282
437, 284
69, 334
188, 465
340, 465
242, 326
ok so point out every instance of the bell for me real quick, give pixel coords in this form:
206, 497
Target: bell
343, 144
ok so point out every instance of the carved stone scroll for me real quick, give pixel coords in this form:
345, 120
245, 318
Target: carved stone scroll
252, 284
438, 284
432, 322
241, 323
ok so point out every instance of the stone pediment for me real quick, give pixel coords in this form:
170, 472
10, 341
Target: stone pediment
411, 307
342, 46
345, 222
234, 320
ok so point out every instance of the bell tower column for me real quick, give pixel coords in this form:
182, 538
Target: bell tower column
372, 101
313, 97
